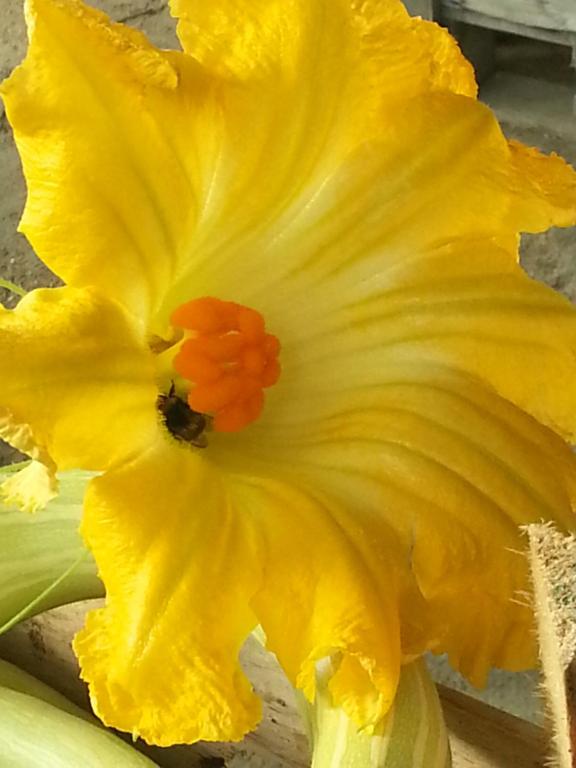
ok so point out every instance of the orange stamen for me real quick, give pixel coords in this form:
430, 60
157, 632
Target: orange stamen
229, 358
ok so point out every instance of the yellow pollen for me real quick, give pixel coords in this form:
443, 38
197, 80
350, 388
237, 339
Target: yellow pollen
229, 358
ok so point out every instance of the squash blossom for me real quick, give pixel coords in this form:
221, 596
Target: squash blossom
294, 342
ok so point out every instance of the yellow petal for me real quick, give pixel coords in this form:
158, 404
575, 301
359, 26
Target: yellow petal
77, 378
440, 173
328, 533
179, 565
398, 55
376, 407
447, 464
326, 169
548, 189
334, 585
465, 304
516, 334
193, 559
31, 488
92, 106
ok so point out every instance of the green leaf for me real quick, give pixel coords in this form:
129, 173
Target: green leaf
43, 561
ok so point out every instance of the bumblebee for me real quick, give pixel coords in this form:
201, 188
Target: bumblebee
181, 421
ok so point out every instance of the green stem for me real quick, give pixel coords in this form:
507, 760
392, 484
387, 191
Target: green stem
413, 734
10, 286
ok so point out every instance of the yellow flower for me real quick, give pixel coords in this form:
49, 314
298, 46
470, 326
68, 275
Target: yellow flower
317, 172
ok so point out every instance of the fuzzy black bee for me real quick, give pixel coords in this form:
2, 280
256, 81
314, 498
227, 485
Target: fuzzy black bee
181, 421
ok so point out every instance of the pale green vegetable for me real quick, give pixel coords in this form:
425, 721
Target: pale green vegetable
43, 561
36, 734
15, 679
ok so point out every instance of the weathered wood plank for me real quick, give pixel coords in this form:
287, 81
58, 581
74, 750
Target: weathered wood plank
480, 736
558, 15
484, 737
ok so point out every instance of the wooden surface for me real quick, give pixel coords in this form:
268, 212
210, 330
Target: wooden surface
480, 736
484, 737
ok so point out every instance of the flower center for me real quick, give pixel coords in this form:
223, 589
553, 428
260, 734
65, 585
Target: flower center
229, 358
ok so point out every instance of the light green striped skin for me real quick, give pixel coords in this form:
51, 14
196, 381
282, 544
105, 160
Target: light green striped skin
413, 735
37, 551
39, 728
14, 679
